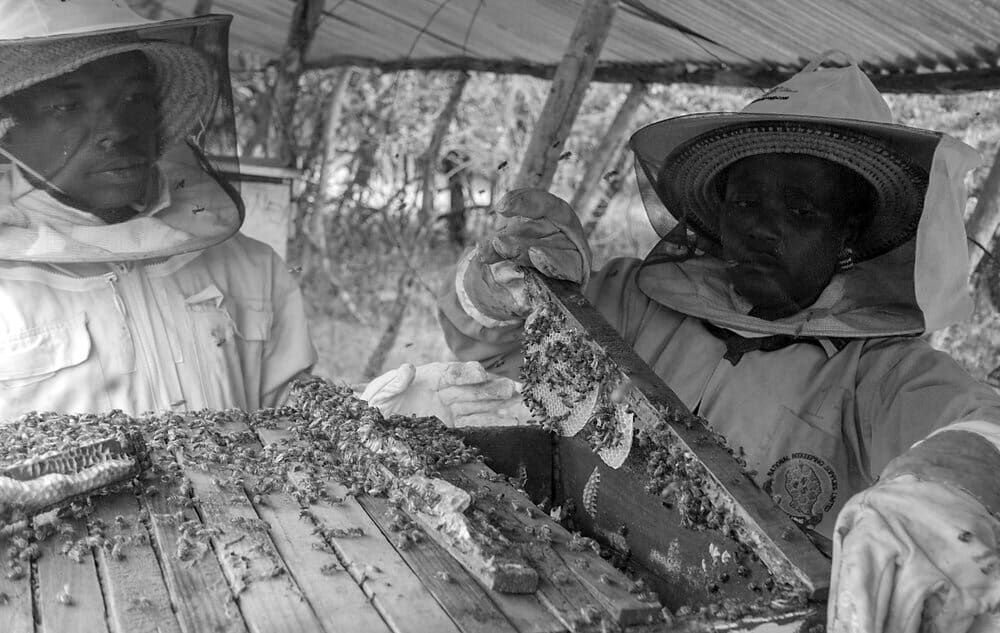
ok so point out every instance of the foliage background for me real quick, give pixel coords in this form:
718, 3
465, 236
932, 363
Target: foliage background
367, 254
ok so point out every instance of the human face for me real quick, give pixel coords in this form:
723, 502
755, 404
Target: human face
90, 134
783, 224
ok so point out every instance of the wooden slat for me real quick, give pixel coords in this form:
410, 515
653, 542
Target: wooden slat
576, 577
15, 596
496, 567
527, 613
559, 590
268, 597
468, 604
394, 589
58, 573
199, 592
339, 603
135, 593
607, 586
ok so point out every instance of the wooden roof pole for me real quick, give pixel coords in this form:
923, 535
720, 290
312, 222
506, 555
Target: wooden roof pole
982, 226
610, 147
569, 85
305, 21
429, 159
931, 82
331, 129
983, 220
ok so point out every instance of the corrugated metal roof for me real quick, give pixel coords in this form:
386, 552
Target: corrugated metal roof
707, 41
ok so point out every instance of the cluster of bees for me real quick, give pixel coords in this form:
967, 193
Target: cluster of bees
559, 362
333, 436
366, 451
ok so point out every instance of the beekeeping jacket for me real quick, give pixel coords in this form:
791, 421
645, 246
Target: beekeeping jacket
170, 310
817, 420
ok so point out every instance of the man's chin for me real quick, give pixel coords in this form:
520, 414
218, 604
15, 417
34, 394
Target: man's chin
761, 292
112, 200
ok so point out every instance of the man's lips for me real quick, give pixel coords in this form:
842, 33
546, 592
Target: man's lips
125, 173
122, 166
754, 259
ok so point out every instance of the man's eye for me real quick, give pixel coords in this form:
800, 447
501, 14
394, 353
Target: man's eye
801, 210
66, 106
139, 98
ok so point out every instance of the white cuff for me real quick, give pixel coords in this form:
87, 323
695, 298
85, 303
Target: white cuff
989, 431
466, 303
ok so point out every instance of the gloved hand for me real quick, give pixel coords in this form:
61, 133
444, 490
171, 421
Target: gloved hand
458, 394
542, 232
911, 555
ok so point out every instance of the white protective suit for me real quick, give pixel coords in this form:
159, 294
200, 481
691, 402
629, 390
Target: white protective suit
172, 309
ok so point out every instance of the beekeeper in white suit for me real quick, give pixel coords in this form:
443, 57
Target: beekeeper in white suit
123, 281
808, 243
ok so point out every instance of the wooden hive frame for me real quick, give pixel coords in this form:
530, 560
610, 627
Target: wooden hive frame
749, 562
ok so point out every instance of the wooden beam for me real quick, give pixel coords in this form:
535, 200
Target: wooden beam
429, 158
987, 216
304, 22
612, 182
331, 129
667, 72
610, 147
569, 85
982, 223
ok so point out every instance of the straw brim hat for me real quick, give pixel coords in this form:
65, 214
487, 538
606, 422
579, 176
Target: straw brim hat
186, 83
683, 156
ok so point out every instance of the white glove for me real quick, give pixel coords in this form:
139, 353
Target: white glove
911, 555
458, 394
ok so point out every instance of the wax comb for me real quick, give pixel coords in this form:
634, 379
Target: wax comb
56, 479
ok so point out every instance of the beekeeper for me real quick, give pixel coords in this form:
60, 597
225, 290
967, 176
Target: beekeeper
123, 281
808, 245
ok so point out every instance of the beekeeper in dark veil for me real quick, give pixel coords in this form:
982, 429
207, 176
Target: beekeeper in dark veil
808, 243
124, 283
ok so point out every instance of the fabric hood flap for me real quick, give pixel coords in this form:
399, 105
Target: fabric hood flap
196, 209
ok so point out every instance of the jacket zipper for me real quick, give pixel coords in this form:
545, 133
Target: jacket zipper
112, 279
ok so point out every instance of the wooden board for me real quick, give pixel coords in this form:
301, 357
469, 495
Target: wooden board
70, 597
15, 598
465, 601
268, 595
677, 562
597, 585
265, 562
137, 597
392, 587
198, 590
340, 604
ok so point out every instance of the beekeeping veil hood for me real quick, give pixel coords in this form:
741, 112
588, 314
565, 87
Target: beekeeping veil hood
180, 203
911, 259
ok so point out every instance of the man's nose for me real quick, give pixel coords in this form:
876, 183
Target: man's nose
113, 128
762, 226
